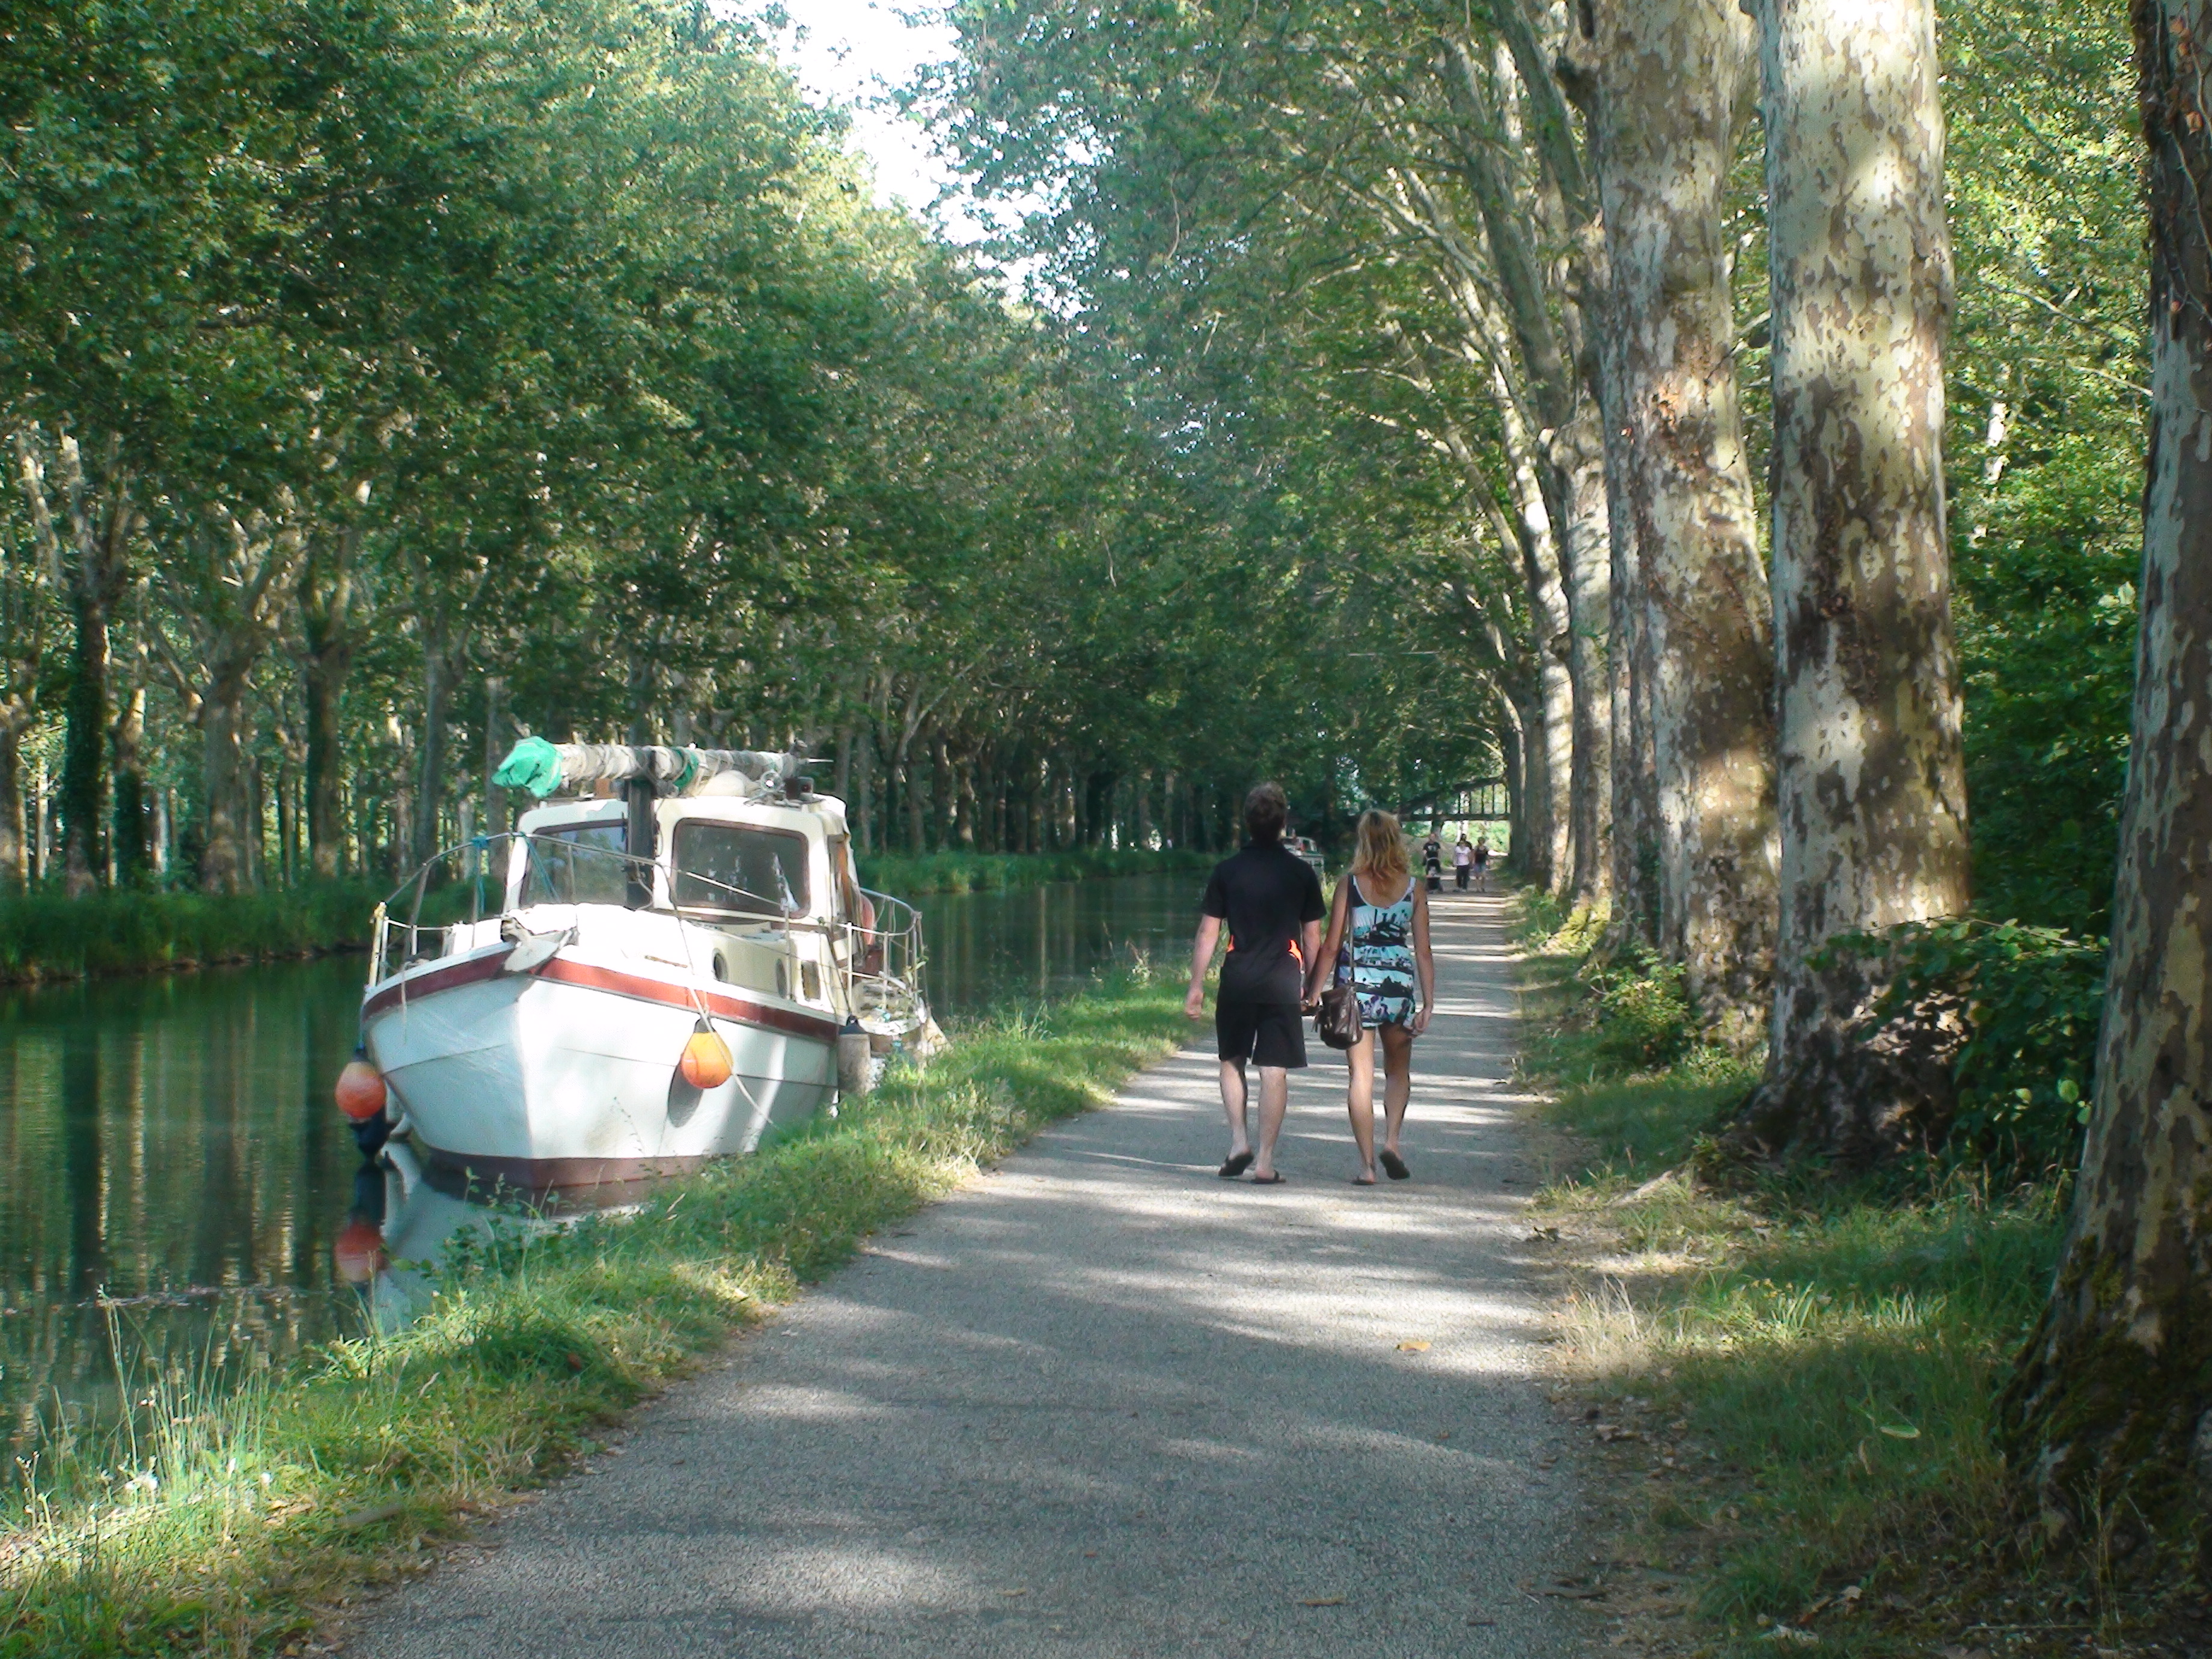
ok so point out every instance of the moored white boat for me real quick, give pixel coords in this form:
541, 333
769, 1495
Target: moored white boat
556, 1044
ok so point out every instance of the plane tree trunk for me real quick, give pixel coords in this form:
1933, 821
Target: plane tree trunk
1872, 790
229, 588
92, 553
1586, 583
2108, 1414
1676, 86
326, 597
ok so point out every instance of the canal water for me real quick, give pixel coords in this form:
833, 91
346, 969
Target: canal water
182, 1196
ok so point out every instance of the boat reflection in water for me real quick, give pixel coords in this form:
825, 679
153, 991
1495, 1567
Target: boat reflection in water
407, 1222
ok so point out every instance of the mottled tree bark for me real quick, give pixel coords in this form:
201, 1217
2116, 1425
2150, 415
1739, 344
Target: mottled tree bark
1871, 790
1675, 90
14, 864
1559, 484
229, 585
1586, 583
440, 664
94, 555
127, 843
2109, 1413
326, 595
84, 743
232, 823
1633, 845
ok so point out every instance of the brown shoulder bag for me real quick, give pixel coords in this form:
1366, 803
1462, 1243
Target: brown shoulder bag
1337, 1021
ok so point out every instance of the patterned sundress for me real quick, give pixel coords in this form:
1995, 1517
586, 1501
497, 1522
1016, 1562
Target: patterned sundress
1381, 950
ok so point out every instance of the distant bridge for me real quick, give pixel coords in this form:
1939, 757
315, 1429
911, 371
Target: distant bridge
1482, 799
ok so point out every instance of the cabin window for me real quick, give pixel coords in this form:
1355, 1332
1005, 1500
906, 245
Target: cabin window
733, 867
577, 864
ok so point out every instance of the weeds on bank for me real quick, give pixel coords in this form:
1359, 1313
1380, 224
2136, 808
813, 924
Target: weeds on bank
1793, 1374
223, 1521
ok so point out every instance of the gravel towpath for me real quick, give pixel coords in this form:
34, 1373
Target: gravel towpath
1103, 1403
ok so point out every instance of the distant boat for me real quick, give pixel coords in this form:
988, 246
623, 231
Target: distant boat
670, 971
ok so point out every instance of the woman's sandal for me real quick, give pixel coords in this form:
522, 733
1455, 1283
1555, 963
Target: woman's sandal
1274, 1180
1392, 1165
1363, 1181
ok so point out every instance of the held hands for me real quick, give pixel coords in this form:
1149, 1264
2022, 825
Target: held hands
1421, 1019
1194, 1005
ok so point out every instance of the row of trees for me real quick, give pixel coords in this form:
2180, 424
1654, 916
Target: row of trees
1683, 382
382, 381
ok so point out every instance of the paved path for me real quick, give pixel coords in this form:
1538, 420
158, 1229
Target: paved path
1101, 1403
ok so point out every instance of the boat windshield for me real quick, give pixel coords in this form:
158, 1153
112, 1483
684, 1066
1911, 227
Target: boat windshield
731, 866
578, 864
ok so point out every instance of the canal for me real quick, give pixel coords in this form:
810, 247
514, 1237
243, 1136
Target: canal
181, 1193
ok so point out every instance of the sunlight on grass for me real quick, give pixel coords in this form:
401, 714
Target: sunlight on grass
1823, 1353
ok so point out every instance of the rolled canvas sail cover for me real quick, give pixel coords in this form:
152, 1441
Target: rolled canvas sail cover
545, 769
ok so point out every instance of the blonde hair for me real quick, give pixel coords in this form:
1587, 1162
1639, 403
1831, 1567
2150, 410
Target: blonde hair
1382, 849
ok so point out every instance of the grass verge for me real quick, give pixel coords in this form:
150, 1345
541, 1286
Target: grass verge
227, 1524
1789, 1379
44, 935
999, 873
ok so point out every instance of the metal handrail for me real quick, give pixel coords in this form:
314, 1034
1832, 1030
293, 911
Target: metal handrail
898, 937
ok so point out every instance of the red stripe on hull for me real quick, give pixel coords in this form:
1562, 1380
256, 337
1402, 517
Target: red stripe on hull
430, 984
594, 977
720, 1002
471, 1174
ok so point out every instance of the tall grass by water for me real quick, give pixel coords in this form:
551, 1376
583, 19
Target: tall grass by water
231, 1521
47, 935
1810, 1363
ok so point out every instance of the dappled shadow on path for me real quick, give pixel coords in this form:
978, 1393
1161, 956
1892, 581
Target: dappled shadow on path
1104, 1403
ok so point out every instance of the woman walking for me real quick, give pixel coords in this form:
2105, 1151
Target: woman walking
1381, 917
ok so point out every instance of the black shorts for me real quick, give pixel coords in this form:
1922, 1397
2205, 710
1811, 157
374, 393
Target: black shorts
1265, 1033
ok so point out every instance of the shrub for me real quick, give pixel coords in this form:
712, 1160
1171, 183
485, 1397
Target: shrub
1641, 1013
2031, 998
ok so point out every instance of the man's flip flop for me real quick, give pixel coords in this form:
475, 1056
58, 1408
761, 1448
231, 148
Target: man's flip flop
1235, 1166
1392, 1165
1275, 1180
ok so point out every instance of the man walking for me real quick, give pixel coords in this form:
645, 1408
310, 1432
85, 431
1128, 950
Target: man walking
1271, 899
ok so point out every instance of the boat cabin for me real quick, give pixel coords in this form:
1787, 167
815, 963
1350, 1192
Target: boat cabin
770, 881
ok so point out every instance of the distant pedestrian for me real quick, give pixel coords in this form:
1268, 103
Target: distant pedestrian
1433, 862
1271, 899
1482, 865
1381, 923
1462, 861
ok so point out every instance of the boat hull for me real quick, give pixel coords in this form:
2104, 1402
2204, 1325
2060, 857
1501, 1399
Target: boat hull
567, 1076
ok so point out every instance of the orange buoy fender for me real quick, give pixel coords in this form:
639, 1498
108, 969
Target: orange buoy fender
706, 1063
361, 1089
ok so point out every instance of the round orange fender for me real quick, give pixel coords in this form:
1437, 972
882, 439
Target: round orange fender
361, 1089
706, 1063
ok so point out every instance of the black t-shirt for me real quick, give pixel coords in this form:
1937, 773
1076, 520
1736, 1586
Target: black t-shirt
1266, 894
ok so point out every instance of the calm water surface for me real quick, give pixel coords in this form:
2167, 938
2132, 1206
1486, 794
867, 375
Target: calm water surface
180, 1189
